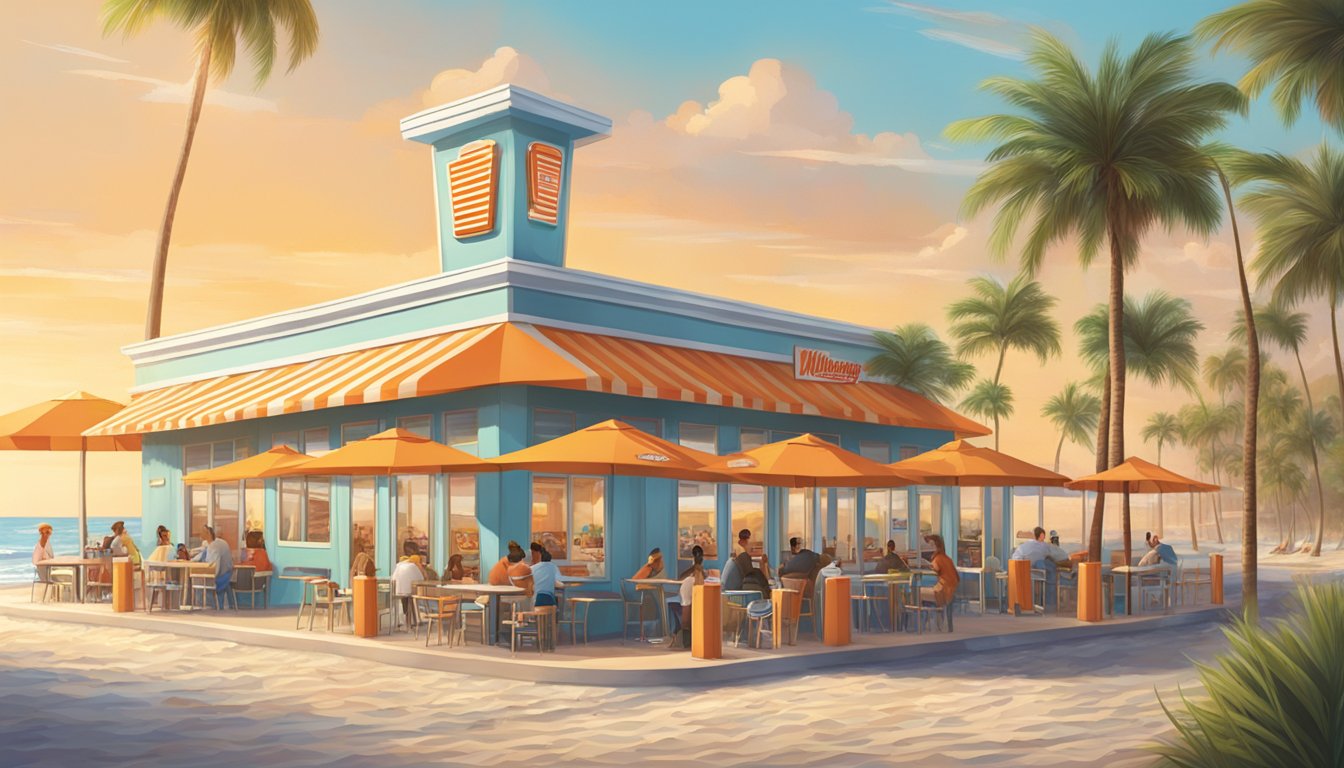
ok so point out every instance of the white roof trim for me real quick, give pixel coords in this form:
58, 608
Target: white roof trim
496, 275
433, 123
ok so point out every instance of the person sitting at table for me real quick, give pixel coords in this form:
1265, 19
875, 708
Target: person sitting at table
801, 563
653, 568
743, 542
499, 572
1158, 553
732, 575
891, 561
753, 577
1042, 558
455, 570
123, 545
535, 549
363, 565
255, 553
164, 551
182, 552
545, 580
519, 573
43, 551
217, 553
404, 576
945, 570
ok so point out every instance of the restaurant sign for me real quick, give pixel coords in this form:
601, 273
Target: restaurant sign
816, 365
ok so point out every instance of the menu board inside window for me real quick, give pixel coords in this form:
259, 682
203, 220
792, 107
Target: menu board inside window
545, 164
473, 183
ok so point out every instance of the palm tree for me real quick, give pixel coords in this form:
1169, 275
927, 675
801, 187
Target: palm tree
1101, 157
988, 400
217, 25
1288, 330
1074, 413
1225, 372
1301, 232
1203, 426
1162, 428
998, 318
913, 357
1293, 44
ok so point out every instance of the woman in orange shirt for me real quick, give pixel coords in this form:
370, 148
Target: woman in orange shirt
945, 569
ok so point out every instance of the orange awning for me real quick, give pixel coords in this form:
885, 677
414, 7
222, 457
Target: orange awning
390, 452
519, 353
959, 463
1138, 476
807, 461
278, 458
613, 448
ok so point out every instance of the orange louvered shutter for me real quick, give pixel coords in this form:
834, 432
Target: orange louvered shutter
544, 167
473, 181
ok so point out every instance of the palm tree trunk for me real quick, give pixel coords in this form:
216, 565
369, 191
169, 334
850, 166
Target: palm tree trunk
1103, 463
1194, 529
1040, 499
1217, 507
998, 371
154, 314
1160, 532
1116, 342
1334, 334
1250, 572
1315, 462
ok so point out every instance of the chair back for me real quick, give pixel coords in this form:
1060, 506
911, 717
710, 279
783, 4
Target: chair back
629, 593
244, 577
325, 590
800, 585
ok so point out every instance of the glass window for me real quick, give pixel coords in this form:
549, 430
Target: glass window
464, 532
996, 517
748, 512
317, 525
200, 514
254, 507
875, 451
225, 498
569, 519
317, 442
548, 425
220, 505
242, 448
414, 512
798, 518
700, 437
832, 439
420, 425
876, 513
652, 426
358, 430
778, 435
195, 458
750, 439
846, 516
287, 439
900, 518
363, 517
461, 430
972, 521
697, 518
291, 508
221, 453
930, 514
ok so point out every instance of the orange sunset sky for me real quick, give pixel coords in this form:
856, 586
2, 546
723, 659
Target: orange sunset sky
748, 176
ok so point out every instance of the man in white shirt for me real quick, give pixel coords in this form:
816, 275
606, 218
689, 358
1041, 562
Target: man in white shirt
1042, 557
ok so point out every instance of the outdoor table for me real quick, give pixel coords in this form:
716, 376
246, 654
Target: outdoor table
476, 590
661, 584
1130, 571
892, 580
78, 564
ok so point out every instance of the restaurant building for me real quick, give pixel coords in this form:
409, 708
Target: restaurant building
507, 347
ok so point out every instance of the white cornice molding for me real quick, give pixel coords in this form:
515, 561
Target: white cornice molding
434, 123
492, 276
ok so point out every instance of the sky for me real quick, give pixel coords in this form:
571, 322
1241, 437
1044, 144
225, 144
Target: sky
785, 153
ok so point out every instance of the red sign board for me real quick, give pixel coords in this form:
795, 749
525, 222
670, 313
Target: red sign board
816, 365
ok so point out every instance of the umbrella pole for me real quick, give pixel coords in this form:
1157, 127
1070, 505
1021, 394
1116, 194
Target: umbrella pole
83, 509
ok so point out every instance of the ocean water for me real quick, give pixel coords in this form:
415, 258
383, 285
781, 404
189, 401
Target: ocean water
18, 536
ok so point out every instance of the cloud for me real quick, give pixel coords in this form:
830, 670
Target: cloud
914, 164
166, 92
505, 65
98, 276
957, 234
976, 30
76, 51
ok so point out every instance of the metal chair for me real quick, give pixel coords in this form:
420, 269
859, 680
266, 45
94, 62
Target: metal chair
98, 579
306, 575
439, 611
631, 599
203, 585
60, 579
1190, 580
805, 610
476, 611
160, 581
759, 612
536, 624
247, 582
869, 603
326, 599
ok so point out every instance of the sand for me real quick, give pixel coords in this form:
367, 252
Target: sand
72, 695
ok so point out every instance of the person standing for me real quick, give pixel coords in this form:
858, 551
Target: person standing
43, 551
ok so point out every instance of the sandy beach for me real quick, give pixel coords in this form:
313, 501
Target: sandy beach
74, 694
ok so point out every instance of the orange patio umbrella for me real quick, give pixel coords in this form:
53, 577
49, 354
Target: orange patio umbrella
613, 448
808, 461
281, 457
392, 452
59, 425
1138, 476
959, 463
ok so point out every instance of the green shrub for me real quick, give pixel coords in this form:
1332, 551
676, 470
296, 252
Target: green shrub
1275, 698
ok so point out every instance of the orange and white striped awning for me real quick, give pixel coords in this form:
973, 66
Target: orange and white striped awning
517, 353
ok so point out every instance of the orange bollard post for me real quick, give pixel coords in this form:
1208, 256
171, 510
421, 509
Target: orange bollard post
707, 622
1019, 586
123, 585
366, 606
837, 620
1216, 578
1089, 591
